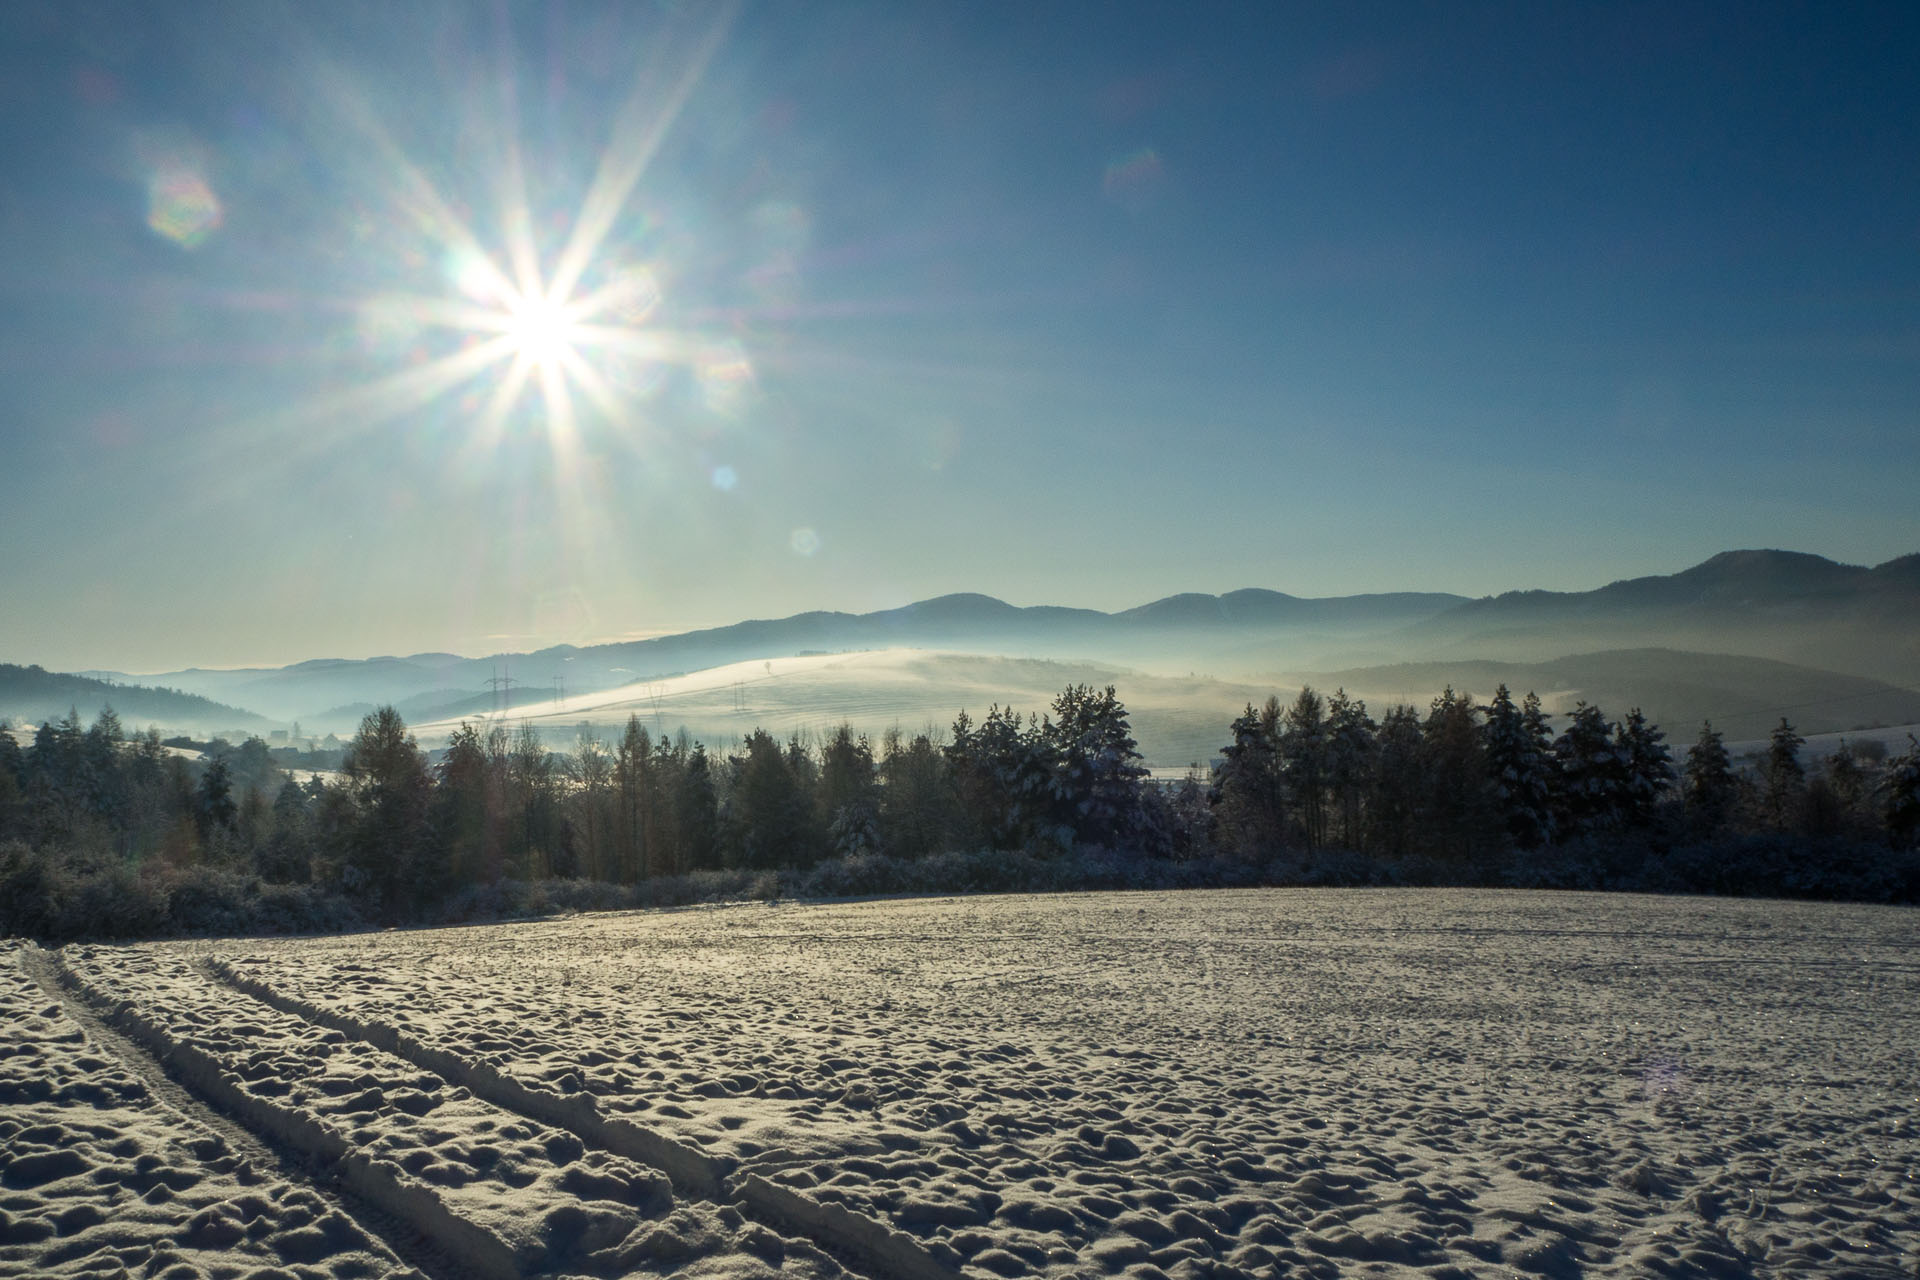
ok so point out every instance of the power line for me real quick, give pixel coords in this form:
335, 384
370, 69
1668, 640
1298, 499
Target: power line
502, 688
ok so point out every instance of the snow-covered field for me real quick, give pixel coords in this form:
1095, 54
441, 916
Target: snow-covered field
1315, 1082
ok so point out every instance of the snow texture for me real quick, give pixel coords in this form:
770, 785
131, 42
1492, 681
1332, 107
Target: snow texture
1266, 1083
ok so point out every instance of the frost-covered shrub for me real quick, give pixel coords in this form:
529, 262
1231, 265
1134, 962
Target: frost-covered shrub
115, 902
1774, 865
59, 895
863, 875
205, 901
663, 891
987, 871
1341, 867
301, 908
1617, 861
477, 902
729, 885
1563, 866
586, 895
1109, 869
27, 891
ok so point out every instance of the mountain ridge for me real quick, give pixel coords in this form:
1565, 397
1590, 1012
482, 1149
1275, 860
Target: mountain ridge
30, 694
1788, 606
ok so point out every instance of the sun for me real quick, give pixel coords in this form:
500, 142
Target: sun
541, 330
523, 319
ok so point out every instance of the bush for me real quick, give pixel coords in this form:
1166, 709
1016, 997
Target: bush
83, 890
66, 894
27, 892
116, 902
301, 908
1779, 866
206, 902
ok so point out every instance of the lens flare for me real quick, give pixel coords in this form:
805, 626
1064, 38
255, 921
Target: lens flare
182, 207
1132, 175
725, 376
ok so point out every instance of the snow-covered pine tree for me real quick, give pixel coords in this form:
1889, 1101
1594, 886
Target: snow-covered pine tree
1096, 767
1708, 784
1518, 764
1457, 808
1399, 777
1540, 734
1589, 774
1247, 795
1004, 768
1649, 765
1785, 779
1350, 755
1303, 761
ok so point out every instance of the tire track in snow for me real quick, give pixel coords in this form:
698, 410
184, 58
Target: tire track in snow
892, 1253
176, 1079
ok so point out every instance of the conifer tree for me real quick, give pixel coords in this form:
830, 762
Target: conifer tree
1248, 794
1708, 785
1399, 784
1902, 788
462, 810
696, 811
1590, 774
667, 838
533, 795
916, 796
1005, 775
846, 799
286, 856
1845, 776
12, 759
1096, 768
102, 768
12, 795
768, 819
1835, 796
1648, 765
390, 849
1350, 756
633, 787
590, 769
1784, 777
1304, 765
1458, 809
1519, 767
214, 804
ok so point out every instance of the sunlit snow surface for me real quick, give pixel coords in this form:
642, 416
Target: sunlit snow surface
1315, 1082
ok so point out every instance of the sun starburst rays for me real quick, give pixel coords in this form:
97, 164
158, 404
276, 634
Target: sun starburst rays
547, 344
538, 322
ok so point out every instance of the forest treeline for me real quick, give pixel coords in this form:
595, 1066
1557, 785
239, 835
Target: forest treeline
110, 834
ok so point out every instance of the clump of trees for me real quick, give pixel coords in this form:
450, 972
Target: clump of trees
1464, 783
106, 833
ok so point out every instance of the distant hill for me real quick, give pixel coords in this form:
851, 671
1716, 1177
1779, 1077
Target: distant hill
29, 695
1785, 605
1238, 631
1744, 697
1804, 610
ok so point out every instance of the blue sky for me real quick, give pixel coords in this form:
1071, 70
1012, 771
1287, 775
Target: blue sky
1075, 304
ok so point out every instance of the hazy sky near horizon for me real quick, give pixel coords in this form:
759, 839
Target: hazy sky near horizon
336, 329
